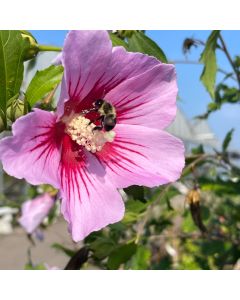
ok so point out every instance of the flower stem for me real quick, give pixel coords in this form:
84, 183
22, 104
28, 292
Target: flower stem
225, 50
49, 48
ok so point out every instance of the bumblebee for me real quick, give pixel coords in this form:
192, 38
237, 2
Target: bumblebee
107, 114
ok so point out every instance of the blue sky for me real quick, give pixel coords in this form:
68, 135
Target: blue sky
194, 98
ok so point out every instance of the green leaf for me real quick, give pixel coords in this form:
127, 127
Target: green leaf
65, 250
141, 260
212, 106
136, 192
135, 210
42, 83
236, 61
219, 186
116, 41
208, 58
198, 150
12, 52
102, 247
34, 267
226, 94
188, 225
135, 206
227, 140
126, 33
139, 42
121, 255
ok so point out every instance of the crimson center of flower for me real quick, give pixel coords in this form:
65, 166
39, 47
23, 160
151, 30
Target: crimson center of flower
81, 131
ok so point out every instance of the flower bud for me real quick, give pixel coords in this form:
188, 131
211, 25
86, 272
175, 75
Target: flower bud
46, 188
32, 50
193, 196
2, 127
15, 110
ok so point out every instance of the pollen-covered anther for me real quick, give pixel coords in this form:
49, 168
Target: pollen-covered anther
81, 131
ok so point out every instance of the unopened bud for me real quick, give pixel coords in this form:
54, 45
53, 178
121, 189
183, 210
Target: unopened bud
2, 127
32, 50
46, 188
15, 110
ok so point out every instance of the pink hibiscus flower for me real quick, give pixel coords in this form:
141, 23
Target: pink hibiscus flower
34, 211
88, 166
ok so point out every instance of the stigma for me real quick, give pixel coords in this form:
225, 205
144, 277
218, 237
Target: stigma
81, 130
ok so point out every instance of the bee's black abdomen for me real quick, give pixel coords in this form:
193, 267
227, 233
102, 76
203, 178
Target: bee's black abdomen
109, 122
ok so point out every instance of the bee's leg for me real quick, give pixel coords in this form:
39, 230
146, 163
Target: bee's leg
97, 128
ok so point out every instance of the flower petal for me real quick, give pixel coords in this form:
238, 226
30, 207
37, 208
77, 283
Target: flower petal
34, 211
89, 200
85, 57
125, 65
142, 156
33, 150
148, 99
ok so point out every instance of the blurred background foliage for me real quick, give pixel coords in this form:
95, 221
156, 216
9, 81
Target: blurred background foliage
191, 224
